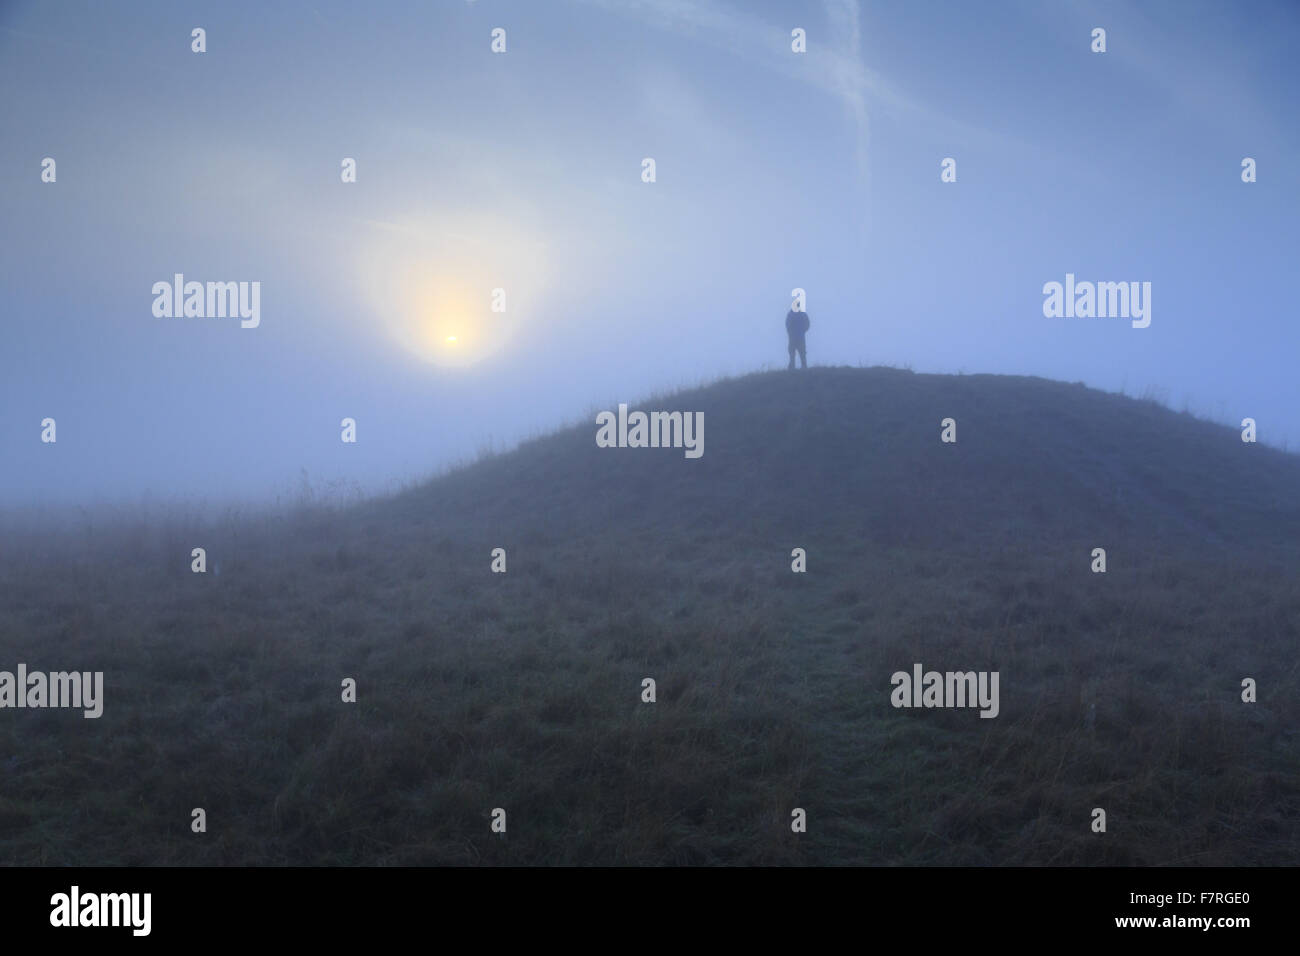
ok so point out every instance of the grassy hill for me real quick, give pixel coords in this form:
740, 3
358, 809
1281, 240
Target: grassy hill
523, 690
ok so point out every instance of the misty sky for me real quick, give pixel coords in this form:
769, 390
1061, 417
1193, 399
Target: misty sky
522, 171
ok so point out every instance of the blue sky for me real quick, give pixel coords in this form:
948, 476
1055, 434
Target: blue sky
522, 171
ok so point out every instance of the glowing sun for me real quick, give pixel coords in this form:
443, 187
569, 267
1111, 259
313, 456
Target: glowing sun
455, 294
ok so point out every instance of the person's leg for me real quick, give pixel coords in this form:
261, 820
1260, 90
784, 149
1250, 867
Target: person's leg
803, 354
792, 350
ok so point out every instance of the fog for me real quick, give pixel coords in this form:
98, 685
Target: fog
522, 171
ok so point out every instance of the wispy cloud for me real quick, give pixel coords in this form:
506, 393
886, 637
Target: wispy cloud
834, 67
849, 76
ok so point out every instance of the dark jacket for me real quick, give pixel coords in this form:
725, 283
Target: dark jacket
796, 324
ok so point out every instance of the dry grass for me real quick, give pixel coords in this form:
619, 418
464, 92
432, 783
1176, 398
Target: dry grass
522, 690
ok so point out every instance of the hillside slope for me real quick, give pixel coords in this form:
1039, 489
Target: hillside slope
862, 448
523, 690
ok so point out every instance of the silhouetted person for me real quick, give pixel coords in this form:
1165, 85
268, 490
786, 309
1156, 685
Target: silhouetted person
796, 326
